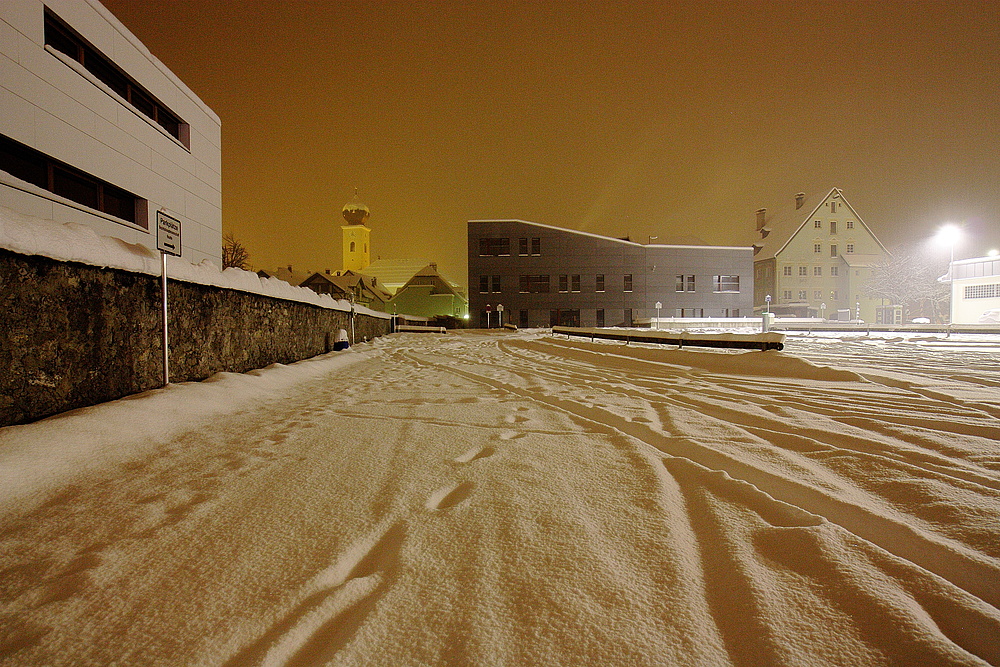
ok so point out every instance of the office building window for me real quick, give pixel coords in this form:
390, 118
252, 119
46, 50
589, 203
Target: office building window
628, 282
574, 284
65, 40
817, 270
495, 286
729, 284
44, 172
600, 317
787, 271
599, 283
522, 319
522, 247
803, 270
802, 295
536, 247
533, 284
563, 284
684, 283
484, 284
787, 295
494, 247
817, 294
982, 291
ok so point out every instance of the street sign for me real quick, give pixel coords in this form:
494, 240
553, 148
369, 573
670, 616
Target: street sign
168, 234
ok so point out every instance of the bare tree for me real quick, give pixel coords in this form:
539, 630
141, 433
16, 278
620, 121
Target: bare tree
909, 278
234, 253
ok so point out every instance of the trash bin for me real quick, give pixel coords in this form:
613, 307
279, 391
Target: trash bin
341, 342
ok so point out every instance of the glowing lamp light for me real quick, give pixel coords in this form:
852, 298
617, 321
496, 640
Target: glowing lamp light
949, 235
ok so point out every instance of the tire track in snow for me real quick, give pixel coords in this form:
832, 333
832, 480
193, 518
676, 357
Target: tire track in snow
954, 562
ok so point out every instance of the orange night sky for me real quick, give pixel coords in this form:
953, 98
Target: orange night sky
666, 118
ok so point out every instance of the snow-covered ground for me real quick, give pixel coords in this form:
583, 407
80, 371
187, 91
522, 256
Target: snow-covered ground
520, 499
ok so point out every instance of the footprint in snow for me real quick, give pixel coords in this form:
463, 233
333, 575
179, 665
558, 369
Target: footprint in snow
449, 496
473, 454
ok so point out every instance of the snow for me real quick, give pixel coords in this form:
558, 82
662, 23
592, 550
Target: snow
73, 242
500, 498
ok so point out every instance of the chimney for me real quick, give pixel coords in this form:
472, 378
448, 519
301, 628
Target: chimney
761, 212
800, 199
434, 266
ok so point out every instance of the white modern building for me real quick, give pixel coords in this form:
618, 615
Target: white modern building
975, 288
95, 130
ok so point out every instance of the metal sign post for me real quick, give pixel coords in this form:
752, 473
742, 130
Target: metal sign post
168, 242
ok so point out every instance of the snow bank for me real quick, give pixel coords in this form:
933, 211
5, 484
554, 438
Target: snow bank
73, 242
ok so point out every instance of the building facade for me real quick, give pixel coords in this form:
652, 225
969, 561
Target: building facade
543, 276
813, 261
975, 290
95, 130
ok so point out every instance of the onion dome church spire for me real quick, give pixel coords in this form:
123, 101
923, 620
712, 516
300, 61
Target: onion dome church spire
355, 235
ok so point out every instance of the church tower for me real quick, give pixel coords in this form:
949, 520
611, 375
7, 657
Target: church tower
356, 236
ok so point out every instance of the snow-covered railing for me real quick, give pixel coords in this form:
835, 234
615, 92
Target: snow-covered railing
756, 341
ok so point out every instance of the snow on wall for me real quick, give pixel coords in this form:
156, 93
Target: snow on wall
72, 242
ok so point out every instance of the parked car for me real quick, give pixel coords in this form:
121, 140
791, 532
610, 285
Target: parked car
990, 317
921, 320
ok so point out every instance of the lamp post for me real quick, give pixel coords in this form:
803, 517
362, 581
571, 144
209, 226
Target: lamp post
822, 310
500, 315
950, 234
658, 306
488, 309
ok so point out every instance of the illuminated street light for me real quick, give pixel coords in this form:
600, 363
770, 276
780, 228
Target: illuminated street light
950, 234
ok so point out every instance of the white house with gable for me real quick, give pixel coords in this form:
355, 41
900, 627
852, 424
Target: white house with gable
95, 130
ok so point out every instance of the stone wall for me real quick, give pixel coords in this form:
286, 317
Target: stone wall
73, 335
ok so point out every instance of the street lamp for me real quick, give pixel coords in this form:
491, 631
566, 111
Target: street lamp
500, 315
658, 306
950, 234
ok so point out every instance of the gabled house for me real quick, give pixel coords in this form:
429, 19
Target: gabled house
815, 260
429, 294
362, 289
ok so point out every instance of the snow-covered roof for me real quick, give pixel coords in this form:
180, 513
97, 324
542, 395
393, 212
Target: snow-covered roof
74, 242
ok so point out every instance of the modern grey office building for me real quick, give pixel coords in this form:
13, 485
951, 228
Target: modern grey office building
543, 276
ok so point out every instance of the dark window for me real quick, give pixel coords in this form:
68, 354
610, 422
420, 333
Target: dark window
536, 247
523, 319
24, 163
522, 284
628, 317
690, 283
62, 38
575, 283
787, 271
522, 247
44, 172
536, 284
495, 286
600, 317
833, 227
833, 250
484, 284
563, 284
628, 282
679, 283
600, 283
494, 247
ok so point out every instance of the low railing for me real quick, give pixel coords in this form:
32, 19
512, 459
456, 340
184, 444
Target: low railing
758, 341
